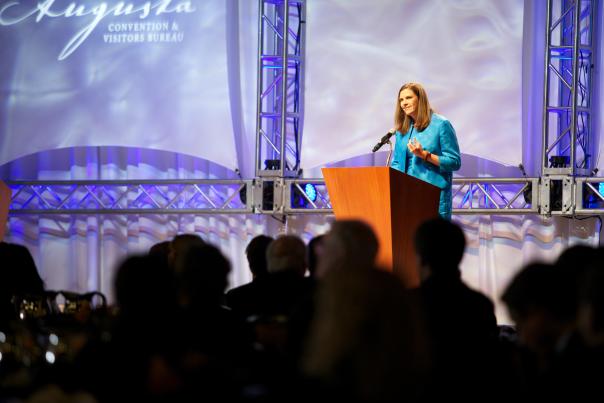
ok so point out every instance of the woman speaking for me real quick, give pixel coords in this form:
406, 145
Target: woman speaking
426, 145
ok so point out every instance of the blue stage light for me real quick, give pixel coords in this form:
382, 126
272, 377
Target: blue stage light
590, 199
311, 191
301, 194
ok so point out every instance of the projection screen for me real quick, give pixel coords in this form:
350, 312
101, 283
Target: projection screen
468, 55
123, 73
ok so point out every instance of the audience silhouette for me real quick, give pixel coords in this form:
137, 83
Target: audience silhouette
245, 299
314, 251
363, 344
461, 323
348, 331
20, 278
350, 245
551, 305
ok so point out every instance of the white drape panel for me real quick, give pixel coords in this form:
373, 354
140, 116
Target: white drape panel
499, 246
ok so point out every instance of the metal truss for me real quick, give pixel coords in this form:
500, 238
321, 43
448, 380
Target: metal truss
470, 196
280, 87
496, 196
567, 105
132, 197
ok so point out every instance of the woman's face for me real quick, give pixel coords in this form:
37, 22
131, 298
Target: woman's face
408, 101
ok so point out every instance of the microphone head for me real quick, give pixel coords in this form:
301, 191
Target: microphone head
383, 141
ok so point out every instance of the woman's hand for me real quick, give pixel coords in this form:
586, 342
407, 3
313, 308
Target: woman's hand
416, 148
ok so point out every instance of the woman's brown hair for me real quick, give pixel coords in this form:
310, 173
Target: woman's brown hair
424, 112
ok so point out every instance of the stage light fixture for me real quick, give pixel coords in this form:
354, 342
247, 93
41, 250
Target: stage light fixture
559, 161
590, 199
268, 192
298, 200
311, 191
272, 165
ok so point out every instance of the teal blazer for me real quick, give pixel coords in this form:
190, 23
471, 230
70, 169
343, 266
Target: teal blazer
438, 138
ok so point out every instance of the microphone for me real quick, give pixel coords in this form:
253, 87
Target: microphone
382, 141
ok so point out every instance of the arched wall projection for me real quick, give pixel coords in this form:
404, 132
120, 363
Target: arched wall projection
96, 73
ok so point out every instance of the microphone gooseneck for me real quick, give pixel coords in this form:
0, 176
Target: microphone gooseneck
382, 141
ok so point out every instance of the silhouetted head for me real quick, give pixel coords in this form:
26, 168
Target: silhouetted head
537, 299
144, 286
591, 305
160, 249
18, 277
314, 251
573, 265
256, 254
577, 257
439, 246
204, 277
19, 274
287, 253
349, 245
179, 246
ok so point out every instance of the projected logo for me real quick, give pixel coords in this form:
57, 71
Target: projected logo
143, 30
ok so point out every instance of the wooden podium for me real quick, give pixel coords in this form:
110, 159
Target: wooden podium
5, 194
392, 203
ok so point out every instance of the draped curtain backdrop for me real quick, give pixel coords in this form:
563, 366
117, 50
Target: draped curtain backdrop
80, 253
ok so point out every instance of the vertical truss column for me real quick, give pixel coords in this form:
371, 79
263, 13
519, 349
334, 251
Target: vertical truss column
568, 147
281, 30
567, 138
